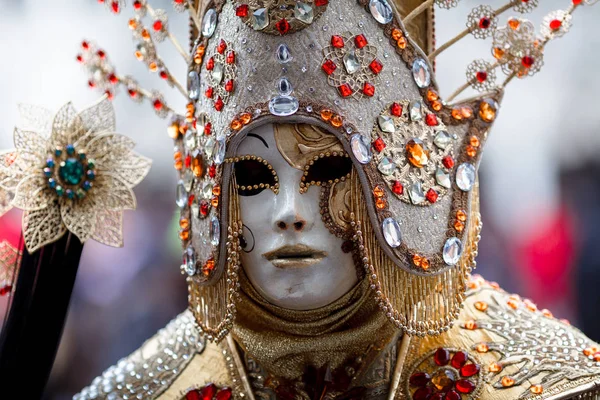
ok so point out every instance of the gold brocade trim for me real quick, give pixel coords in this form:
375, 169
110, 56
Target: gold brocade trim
10, 259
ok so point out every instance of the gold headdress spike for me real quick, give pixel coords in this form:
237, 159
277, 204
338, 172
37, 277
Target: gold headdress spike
71, 173
351, 68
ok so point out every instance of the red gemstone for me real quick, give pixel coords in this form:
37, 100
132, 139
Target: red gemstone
79, 58
465, 386
360, 41
441, 356
337, 41
221, 46
115, 6
208, 391
209, 92
527, 61
188, 161
101, 54
192, 395
453, 395
229, 86
204, 209
112, 78
345, 90
208, 129
191, 199
158, 105
242, 11
376, 66
212, 171
397, 188
423, 393
163, 74
396, 109
219, 104
321, 3
431, 196
329, 66
419, 379
224, 394
448, 162
137, 4
91, 84
368, 89
132, 92
379, 145
481, 76
85, 45
555, 24
469, 370
283, 26
459, 359
431, 120
230, 57
4, 290
485, 23
577, 2
110, 95
210, 64
158, 25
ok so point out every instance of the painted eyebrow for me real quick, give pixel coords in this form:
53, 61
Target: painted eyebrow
254, 135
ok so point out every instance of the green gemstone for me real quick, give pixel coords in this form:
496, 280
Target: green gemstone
80, 193
91, 164
71, 171
60, 191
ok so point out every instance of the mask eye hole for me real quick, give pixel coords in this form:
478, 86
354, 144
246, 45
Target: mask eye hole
253, 175
326, 169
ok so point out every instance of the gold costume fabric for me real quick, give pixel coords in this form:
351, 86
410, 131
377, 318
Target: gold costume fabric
284, 342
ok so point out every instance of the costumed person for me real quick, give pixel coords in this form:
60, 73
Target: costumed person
330, 211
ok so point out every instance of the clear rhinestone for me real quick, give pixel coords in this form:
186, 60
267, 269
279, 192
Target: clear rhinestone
361, 148
386, 166
182, 196
421, 73
220, 148
217, 73
282, 106
189, 261
415, 192
452, 251
209, 23
386, 124
193, 85
465, 176
215, 231
195, 208
415, 110
209, 147
206, 191
381, 11
260, 19
442, 139
304, 12
284, 86
190, 140
351, 62
283, 54
391, 232
442, 178
188, 179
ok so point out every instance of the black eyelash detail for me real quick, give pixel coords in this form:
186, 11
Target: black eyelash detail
253, 175
327, 168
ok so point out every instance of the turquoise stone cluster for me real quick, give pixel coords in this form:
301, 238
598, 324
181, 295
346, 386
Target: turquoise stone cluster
70, 173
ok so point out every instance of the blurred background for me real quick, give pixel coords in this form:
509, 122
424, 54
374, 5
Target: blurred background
540, 178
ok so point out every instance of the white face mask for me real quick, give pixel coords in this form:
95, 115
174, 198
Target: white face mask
290, 256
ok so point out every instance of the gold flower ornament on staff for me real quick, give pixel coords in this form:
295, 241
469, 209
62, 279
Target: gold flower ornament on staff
71, 173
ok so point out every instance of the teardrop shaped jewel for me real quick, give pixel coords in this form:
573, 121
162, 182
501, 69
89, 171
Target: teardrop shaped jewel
188, 179
215, 231
207, 189
189, 261
381, 11
415, 110
190, 140
209, 23
351, 62
361, 148
181, 198
452, 251
217, 73
304, 12
386, 124
193, 85
209, 147
283, 54
386, 166
415, 192
465, 176
220, 148
421, 73
284, 86
260, 19
442, 139
283, 106
391, 232
442, 178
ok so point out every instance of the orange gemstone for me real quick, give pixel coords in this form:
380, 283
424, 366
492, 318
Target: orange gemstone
482, 348
498, 53
417, 153
173, 130
397, 34
590, 351
132, 24
432, 95
380, 204
199, 55
474, 141
184, 235
236, 125
436, 105
139, 55
530, 305
216, 190
514, 23
536, 389
178, 165
459, 226
153, 67
471, 151
487, 110
471, 325
597, 357
467, 112
184, 223
457, 114
208, 267
378, 192
326, 114
245, 118
197, 166
402, 43
425, 263
145, 34
337, 121
547, 313
507, 381
461, 215
495, 367
481, 305
512, 303
214, 202
494, 285
417, 260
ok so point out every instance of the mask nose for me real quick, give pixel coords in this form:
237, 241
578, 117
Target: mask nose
293, 212
295, 224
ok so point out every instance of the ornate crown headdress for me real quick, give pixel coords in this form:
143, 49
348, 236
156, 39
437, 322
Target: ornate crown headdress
351, 68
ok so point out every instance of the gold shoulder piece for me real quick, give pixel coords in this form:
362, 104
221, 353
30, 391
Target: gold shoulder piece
502, 348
